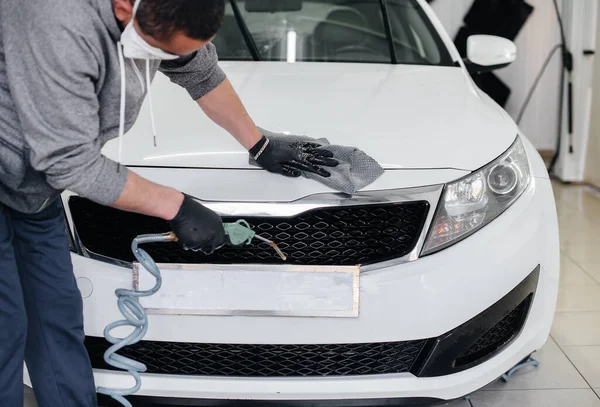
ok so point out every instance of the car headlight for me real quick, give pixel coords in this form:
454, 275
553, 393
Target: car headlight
472, 202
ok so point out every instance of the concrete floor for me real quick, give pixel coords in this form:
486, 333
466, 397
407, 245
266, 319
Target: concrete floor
569, 374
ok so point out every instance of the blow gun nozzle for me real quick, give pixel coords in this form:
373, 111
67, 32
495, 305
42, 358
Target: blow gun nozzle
274, 246
278, 250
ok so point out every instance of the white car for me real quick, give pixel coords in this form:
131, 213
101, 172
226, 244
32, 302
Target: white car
448, 264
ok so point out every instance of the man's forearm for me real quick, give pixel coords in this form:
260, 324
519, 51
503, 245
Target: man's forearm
145, 197
223, 106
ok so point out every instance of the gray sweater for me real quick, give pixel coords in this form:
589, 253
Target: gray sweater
59, 99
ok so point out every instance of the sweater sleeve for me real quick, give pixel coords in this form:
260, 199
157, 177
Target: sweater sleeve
52, 73
198, 74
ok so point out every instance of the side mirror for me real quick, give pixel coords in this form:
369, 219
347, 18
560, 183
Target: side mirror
486, 53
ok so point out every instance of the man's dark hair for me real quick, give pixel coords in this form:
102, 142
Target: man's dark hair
198, 19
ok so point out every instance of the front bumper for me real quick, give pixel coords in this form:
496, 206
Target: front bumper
468, 345
421, 299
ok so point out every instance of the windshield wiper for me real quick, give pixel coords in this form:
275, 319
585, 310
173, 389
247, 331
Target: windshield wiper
245, 31
388, 30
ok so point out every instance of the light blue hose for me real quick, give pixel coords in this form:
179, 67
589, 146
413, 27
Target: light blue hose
135, 316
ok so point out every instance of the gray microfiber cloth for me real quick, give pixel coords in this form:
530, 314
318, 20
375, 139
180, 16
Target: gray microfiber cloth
355, 171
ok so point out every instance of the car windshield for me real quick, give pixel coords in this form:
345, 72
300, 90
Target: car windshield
371, 31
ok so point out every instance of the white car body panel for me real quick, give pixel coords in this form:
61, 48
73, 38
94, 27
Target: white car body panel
438, 121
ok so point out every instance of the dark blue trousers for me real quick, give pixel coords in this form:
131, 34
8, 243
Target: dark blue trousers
41, 316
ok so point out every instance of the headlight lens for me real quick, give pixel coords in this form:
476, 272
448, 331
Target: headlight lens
475, 200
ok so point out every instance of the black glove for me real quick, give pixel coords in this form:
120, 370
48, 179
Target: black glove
197, 227
291, 157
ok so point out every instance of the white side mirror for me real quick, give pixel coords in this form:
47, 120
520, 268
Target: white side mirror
488, 52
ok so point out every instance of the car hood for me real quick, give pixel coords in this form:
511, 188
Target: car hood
406, 117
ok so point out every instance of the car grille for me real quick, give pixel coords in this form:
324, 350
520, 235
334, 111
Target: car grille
202, 359
498, 336
328, 236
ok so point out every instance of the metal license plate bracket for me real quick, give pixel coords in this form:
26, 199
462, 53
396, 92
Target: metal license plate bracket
252, 290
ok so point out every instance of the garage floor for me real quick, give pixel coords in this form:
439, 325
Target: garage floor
569, 374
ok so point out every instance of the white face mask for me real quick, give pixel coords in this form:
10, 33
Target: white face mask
135, 47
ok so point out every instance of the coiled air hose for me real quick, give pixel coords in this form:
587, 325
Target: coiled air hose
238, 233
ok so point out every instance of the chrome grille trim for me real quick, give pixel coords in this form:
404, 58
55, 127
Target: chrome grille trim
430, 194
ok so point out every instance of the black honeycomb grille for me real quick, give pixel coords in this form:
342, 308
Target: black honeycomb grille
265, 360
330, 236
498, 336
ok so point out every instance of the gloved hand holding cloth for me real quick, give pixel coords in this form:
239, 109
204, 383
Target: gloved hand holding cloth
290, 157
342, 168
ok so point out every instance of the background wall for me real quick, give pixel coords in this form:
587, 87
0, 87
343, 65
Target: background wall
534, 42
592, 168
